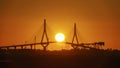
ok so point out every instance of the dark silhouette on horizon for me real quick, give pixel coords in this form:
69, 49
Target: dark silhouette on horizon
44, 44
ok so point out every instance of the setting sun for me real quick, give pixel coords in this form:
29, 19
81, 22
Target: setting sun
59, 37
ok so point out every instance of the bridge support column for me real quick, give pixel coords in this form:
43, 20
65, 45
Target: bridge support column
15, 47
44, 48
35, 43
75, 36
45, 44
7, 48
21, 47
31, 47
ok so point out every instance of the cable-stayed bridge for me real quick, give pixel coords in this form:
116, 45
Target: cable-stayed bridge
45, 44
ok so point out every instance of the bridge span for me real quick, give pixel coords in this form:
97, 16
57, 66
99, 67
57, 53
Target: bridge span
44, 44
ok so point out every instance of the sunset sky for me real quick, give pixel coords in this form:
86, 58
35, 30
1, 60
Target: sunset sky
97, 20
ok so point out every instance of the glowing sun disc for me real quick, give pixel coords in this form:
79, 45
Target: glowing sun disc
59, 37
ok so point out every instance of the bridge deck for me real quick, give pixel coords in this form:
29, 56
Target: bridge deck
84, 45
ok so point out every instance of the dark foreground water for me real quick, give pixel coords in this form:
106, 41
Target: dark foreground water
59, 59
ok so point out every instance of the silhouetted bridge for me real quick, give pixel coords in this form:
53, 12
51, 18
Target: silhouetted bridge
95, 45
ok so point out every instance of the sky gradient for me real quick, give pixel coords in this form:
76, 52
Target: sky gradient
97, 20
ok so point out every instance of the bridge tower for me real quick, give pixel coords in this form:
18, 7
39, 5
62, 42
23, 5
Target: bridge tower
35, 43
44, 44
75, 37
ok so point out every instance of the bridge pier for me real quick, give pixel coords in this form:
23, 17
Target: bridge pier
15, 47
44, 48
74, 47
7, 48
31, 47
21, 47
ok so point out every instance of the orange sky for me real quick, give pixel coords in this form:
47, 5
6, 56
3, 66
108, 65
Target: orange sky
97, 20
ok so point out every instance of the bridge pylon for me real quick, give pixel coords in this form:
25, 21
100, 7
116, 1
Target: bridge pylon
75, 37
44, 44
